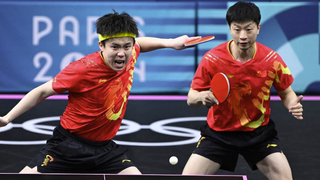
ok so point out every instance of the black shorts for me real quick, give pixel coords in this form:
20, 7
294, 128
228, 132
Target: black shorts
68, 153
224, 147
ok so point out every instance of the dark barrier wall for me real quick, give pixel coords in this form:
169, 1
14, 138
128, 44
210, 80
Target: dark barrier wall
38, 39
154, 130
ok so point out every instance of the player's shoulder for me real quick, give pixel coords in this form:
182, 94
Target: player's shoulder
221, 47
93, 58
263, 49
85, 62
265, 53
220, 50
136, 48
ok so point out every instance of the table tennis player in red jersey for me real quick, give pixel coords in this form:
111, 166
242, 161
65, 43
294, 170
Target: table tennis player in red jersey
99, 85
242, 124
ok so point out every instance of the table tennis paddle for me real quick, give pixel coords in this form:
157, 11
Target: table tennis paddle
220, 86
197, 41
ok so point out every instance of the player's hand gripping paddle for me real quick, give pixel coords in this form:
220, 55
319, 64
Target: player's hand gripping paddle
220, 87
197, 41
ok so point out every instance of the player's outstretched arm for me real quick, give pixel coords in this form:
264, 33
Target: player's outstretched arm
31, 99
197, 99
292, 102
151, 43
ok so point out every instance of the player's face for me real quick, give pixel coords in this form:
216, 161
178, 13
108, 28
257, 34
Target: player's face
244, 34
117, 52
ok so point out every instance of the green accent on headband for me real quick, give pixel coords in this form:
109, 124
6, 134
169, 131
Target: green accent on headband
125, 34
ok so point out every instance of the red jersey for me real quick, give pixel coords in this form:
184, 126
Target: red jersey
98, 96
248, 104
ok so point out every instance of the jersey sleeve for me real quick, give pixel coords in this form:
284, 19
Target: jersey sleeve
201, 79
283, 76
69, 79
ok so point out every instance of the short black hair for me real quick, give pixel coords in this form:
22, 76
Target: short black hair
243, 11
115, 23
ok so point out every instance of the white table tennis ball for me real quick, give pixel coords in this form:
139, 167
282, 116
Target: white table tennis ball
173, 160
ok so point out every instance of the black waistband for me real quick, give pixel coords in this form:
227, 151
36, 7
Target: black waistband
83, 140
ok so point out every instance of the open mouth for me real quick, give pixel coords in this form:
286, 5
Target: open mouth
119, 63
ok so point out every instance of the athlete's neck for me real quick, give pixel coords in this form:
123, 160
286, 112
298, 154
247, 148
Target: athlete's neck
242, 55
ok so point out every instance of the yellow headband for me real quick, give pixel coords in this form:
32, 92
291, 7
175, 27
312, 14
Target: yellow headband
125, 34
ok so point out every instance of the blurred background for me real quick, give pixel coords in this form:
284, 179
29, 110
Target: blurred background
39, 38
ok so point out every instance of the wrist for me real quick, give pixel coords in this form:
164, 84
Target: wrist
7, 118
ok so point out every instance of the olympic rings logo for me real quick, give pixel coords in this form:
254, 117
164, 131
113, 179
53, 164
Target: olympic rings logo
127, 127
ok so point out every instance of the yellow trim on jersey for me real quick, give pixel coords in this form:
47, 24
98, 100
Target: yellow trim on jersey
229, 43
255, 50
125, 34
